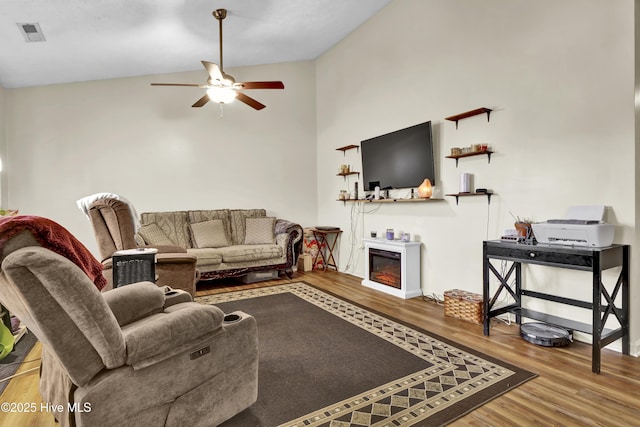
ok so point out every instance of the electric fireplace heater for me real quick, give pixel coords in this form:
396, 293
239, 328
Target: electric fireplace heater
385, 267
393, 267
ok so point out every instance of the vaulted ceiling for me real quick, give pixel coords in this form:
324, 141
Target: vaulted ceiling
103, 39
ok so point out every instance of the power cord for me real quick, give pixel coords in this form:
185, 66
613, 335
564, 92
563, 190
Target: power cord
434, 298
20, 373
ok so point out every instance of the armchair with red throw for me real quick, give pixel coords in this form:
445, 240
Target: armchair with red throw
130, 356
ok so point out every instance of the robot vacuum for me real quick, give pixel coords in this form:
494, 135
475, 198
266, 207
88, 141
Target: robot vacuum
545, 335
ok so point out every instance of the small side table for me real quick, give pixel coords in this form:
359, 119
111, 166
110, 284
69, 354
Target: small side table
321, 236
134, 265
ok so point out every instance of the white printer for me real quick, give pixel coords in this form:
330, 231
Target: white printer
583, 226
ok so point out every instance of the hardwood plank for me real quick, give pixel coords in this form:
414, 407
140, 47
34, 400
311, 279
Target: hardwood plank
565, 393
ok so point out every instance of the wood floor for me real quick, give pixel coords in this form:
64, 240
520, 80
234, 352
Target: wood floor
565, 393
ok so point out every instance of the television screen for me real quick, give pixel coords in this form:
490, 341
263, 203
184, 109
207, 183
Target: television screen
400, 159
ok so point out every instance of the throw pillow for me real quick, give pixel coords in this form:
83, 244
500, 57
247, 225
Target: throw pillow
153, 235
209, 234
260, 231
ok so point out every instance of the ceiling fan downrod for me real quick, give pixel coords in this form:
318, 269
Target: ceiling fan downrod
220, 14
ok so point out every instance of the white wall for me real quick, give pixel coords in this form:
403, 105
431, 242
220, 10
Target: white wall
3, 149
148, 145
559, 74
560, 78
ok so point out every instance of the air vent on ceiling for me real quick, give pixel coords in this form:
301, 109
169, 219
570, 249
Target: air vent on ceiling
31, 32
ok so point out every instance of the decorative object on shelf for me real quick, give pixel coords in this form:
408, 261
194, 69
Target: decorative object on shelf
468, 114
8, 212
425, 190
465, 182
374, 234
390, 234
405, 237
480, 152
344, 195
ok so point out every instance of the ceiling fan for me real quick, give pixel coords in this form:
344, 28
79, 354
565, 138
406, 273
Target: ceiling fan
222, 87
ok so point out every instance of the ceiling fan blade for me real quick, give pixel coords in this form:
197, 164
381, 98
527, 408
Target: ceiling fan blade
176, 84
249, 101
261, 85
200, 102
213, 70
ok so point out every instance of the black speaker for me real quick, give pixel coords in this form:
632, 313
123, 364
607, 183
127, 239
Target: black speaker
355, 192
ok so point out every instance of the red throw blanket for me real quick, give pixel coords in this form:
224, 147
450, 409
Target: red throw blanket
56, 238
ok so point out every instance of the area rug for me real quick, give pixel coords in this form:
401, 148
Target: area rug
327, 362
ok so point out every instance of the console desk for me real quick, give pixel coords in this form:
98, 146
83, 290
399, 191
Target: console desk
594, 260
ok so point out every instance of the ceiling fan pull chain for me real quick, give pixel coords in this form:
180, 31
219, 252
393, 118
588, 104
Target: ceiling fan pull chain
221, 110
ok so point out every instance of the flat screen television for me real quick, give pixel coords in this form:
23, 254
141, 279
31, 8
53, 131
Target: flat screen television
400, 159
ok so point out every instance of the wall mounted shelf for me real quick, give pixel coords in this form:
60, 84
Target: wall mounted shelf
457, 195
347, 148
468, 114
344, 175
432, 199
475, 153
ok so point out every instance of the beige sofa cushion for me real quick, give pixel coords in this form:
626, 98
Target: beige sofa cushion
206, 215
238, 222
260, 231
244, 253
153, 235
206, 256
209, 234
174, 224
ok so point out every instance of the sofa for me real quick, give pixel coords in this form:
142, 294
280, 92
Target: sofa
226, 242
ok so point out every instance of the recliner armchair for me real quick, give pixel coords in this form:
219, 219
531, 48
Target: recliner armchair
128, 356
114, 231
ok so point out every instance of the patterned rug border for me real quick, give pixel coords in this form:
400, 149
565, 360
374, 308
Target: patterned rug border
499, 378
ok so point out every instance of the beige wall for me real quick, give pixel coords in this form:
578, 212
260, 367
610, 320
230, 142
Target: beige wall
148, 145
559, 75
3, 149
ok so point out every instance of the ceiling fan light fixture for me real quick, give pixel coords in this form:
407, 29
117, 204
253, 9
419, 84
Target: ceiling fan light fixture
222, 88
221, 95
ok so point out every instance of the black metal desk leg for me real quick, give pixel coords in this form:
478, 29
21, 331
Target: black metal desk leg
485, 290
518, 291
596, 320
625, 300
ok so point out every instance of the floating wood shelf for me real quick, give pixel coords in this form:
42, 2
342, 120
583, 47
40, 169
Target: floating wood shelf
432, 199
468, 114
344, 175
348, 147
475, 153
457, 195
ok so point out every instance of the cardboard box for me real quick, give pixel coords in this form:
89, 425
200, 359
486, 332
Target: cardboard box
305, 262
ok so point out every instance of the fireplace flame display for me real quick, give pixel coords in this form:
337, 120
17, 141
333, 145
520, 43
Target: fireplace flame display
390, 278
385, 267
